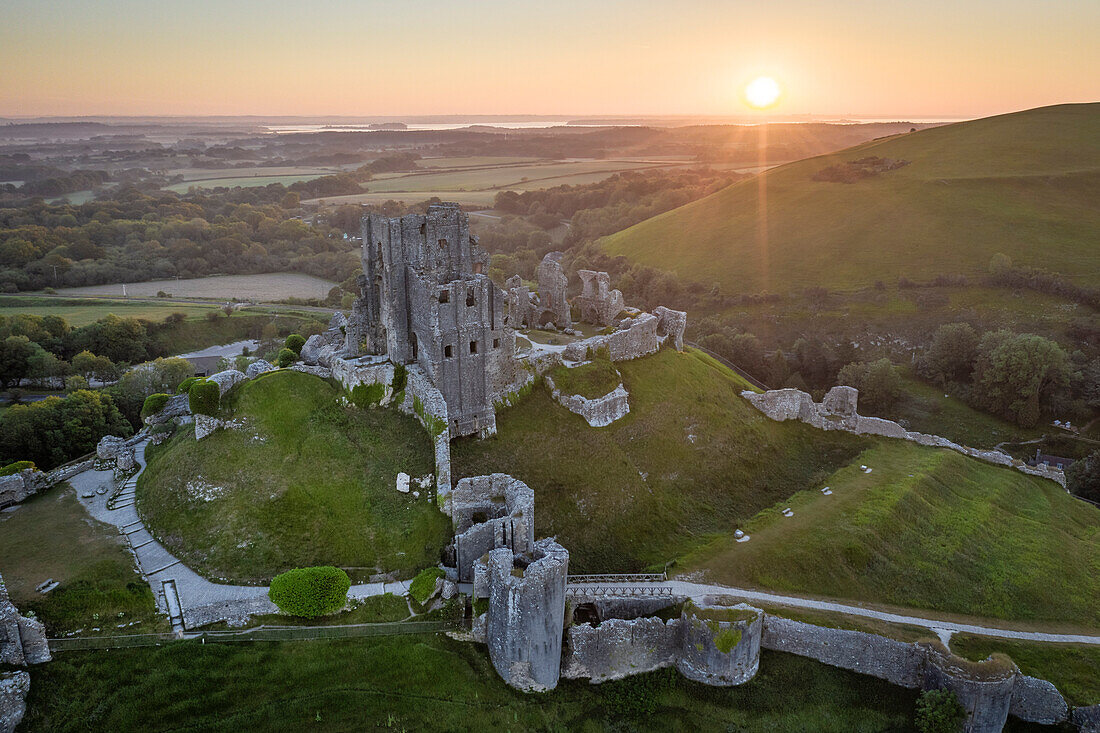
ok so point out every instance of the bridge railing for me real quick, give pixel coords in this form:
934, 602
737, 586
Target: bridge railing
617, 578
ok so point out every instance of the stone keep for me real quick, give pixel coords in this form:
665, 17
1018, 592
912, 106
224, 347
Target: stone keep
426, 300
526, 616
598, 303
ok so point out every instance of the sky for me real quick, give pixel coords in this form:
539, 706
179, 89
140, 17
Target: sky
880, 58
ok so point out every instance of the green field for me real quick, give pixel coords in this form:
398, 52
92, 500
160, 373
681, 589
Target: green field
305, 482
266, 287
79, 312
473, 161
244, 181
1025, 184
692, 458
51, 536
430, 683
1074, 669
927, 529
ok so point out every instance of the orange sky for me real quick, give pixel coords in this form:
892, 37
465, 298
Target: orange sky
340, 57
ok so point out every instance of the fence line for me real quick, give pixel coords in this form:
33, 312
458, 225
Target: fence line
258, 633
721, 359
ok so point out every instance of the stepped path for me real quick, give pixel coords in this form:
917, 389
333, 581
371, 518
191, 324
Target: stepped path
191, 600
188, 598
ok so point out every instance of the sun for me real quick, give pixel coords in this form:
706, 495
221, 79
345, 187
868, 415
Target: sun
762, 92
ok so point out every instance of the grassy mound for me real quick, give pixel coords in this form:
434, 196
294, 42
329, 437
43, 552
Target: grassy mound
303, 482
591, 380
421, 682
1024, 184
691, 459
927, 529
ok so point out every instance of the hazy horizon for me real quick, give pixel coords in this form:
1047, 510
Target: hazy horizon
933, 60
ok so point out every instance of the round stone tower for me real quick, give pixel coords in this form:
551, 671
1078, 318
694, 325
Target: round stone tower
721, 642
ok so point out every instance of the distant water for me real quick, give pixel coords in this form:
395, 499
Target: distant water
505, 125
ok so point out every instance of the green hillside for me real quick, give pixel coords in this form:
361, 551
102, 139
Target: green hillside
1025, 184
692, 458
927, 529
303, 482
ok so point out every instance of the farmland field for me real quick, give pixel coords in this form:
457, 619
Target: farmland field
81, 312
270, 286
244, 181
209, 174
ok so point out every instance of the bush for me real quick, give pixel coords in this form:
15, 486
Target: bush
1083, 477
939, 711
154, 403
423, 585
203, 397
14, 468
285, 358
185, 385
310, 592
878, 382
295, 342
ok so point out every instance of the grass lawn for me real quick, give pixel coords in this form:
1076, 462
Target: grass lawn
266, 287
370, 610
1074, 669
927, 529
692, 458
306, 482
80, 312
429, 683
51, 536
1024, 184
591, 380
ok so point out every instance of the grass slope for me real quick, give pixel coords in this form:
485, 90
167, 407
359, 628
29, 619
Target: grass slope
692, 458
1025, 184
927, 529
51, 536
1074, 669
317, 488
429, 683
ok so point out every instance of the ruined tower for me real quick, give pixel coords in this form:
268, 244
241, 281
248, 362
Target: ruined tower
426, 300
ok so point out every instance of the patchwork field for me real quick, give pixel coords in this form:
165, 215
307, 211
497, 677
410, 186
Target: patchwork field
303, 482
691, 459
1024, 184
266, 287
51, 536
80, 312
244, 181
926, 529
430, 682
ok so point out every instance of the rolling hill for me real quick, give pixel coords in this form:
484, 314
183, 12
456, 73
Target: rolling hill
1025, 184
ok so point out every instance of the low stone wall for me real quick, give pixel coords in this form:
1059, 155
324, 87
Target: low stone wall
434, 417
599, 412
838, 412
619, 648
234, 613
636, 338
894, 661
1038, 701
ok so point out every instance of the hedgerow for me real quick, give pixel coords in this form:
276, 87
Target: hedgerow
310, 592
154, 403
203, 397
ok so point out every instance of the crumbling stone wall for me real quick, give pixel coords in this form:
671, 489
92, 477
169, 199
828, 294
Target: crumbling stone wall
526, 615
619, 648
598, 412
22, 639
1037, 701
635, 338
490, 512
553, 308
984, 689
428, 405
838, 412
598, 303
522, 313
671, 325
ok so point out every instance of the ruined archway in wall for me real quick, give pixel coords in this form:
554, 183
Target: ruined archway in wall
586, 613
546, 318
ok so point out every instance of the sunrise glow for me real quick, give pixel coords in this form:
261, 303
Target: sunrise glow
762, 92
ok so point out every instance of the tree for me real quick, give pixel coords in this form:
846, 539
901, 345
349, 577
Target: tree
291, 200
1015, 374
1083, 477
15, 357
878, 382
157, 376
90, 366
950, 356
939, 711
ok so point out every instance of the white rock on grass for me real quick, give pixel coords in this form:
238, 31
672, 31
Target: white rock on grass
403, 482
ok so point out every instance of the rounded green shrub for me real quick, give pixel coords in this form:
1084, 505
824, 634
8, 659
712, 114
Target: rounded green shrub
154, 403
203, 397
285, 358
185, 385
423, 585
310, 592
295, 342
14, 468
